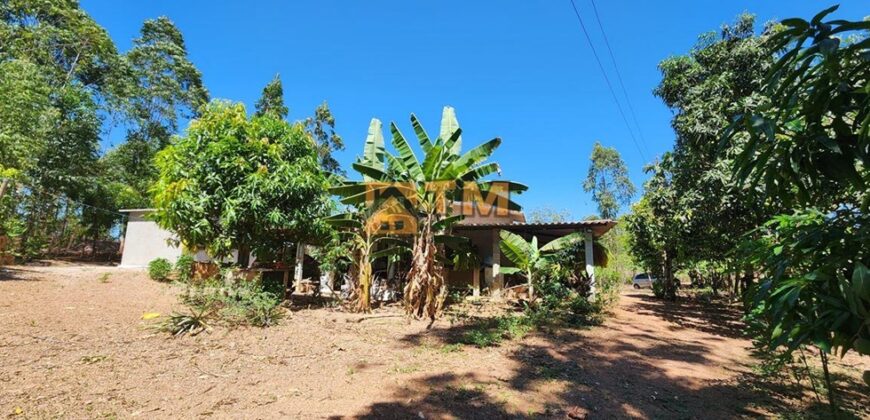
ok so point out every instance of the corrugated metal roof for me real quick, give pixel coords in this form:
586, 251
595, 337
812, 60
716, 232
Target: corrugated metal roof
555, 225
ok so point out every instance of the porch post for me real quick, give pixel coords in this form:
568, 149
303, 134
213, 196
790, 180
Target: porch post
475, 278
590, 259
497, 278
297, 272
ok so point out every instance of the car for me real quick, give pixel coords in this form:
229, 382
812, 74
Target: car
642, 280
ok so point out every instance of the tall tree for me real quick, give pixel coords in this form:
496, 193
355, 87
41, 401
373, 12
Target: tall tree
706, 88
272, 100
322, 128
608, 181
162, 87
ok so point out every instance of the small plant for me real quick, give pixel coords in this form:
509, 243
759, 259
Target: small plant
159, 269
179, 324
450, 348
493, 331
184, 268
104, 278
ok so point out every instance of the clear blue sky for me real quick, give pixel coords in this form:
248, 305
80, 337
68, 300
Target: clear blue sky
520, 70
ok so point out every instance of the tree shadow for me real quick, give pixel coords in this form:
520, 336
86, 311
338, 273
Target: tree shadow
716, 318
568, 373
16, 274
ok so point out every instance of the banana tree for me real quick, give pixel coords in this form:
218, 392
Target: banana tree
427, 189
529, 259
366, 248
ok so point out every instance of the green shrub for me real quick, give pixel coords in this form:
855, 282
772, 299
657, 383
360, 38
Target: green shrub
184, 268
159, 269
493, 331
238, 303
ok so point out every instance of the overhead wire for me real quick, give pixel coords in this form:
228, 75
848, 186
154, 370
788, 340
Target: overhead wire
607, 80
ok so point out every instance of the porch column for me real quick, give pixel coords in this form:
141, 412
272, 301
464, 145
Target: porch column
497, 279
297, 269
475, 278
590, 259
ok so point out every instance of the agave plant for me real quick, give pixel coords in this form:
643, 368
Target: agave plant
443, 165
530, 259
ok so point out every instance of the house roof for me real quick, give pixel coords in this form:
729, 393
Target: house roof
546, 230
136, 210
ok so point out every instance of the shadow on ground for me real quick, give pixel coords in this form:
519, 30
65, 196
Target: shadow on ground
567, 373
17, 274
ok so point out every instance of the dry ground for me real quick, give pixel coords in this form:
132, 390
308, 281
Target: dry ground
74, 345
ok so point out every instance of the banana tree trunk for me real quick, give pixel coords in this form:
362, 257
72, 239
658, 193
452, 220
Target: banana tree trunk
531, 287
426, 290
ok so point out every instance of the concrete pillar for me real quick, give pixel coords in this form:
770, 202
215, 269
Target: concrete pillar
475, 276
297, 272
590, 266
496, 283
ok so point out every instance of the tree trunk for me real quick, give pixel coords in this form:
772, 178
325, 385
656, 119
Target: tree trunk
670, 292
3, 186
426, 290
365, 279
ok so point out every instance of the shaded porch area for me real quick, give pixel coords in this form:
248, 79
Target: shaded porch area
485, 237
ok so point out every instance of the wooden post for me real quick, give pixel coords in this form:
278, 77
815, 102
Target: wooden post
286, 284
297, 272
590, 260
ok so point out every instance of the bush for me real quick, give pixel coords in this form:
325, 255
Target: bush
159, 269
184, 268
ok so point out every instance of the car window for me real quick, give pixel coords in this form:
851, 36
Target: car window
641, 276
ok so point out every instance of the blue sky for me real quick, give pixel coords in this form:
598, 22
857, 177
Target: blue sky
519, 70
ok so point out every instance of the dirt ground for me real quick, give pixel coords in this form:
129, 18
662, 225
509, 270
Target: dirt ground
74, 345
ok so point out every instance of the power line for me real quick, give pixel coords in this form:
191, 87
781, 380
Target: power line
619, 76
607, 79
64, 197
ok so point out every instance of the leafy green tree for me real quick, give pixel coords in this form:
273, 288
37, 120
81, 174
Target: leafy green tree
809, 147
272, 100
238, 183
608, 181
706, 88
322, 128
62, 40
654, 226
161, 87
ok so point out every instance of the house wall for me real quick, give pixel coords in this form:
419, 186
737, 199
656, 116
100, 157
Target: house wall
144, 241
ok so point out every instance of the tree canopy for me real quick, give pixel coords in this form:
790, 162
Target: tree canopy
233, 182
608, 181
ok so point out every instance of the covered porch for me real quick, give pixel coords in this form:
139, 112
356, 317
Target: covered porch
485, 236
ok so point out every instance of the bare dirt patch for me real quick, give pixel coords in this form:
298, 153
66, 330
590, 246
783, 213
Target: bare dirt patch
74, 345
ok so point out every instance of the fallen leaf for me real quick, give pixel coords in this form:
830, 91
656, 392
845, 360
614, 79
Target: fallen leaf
150, 315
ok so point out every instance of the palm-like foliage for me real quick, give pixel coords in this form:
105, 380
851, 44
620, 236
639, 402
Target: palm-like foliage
427, 189
529, 259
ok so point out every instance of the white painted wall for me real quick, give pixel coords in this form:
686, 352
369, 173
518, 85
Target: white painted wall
145, 241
